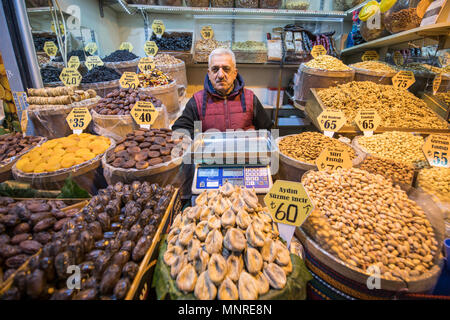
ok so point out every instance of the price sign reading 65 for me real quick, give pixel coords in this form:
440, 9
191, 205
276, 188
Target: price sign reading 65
331, 121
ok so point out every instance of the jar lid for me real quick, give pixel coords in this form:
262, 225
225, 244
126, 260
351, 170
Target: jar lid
368, 10
385, 5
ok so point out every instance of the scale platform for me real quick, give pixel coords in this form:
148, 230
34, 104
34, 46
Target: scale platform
241, 158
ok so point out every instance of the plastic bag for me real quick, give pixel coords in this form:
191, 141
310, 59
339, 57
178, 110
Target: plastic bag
88, 175
117, 127
319, 78
102, 88
377, 76
124, 66
168, 94
401, 16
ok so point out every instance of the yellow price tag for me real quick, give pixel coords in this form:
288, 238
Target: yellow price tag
436, 150
70, 77
93, 61
333, 158
126, 46
403, 79
129, 80
79, 119
207, 32
150, 48
367, 120
288, 203
91, 48
146, 64
24, 122
74, 62
158, 28
398, 58
371, 55
437, 83
50, 48
331, 121
144, 113
318, 51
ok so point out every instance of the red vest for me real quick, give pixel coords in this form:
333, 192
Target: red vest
223, 114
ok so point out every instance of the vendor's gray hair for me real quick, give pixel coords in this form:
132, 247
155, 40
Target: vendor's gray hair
222, 51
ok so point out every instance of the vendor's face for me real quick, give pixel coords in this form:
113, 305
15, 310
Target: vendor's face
222, 73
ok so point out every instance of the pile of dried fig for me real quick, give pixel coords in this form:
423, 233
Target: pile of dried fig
227, 247
107, 240
144, 148
15, 144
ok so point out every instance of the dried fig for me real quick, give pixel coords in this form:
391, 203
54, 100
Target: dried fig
253, 260
243, 219
235, 265
201, 261
234, 240
187, 278
228, 290
275, 275
186, 234
171, 254
202, 199
217, 268
178, 264
255, 236
201, 230
269, 250
213, 242
262, 283
228, 219
205, 288
214, 222
283, 256
193, 248
247, 287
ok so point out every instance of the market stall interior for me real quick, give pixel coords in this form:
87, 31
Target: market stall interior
351, 182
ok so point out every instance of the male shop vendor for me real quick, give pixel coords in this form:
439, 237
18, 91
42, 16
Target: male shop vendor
223, 104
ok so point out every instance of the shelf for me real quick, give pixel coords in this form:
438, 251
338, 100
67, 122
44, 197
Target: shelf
249, 65
439, 29
44, 10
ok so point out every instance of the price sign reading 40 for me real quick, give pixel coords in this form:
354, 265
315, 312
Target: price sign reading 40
150, 48
207, 32
331, 121
367, 120
70, 77
146, 64
333, 159
370, 56
144, 113
437, 150
50, 48
78, 119
158, 28
403, 79
91, 48
129, 80
318, 51
93, 61
74, 62
289, 205
126, 46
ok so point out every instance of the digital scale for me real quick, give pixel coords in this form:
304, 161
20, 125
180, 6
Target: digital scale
241, 158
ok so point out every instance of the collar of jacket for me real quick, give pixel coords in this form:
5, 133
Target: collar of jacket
238, 86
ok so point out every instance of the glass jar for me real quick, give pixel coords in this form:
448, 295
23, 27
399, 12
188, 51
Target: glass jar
400, 15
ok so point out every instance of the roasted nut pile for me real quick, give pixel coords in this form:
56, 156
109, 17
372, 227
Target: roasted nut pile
435, 180
403, 147
40, 98
444, 97
398, 172
63, 153
210, 44
227, 247
364, 220
153, 78
398, 108
374, 66
15, 144
249, 46
144, 148
107, 239
307, 146
25, 227
120, 102
328, 63
401, 20
165, 60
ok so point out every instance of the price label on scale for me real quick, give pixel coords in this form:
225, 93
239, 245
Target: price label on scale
398, 58
150, 48
367, 121
289, 205
74, 62
207, 32
318, 51
78, 119
370, 55
93, 61
129, 80
50, 48
158, 28
437, 150
437, 83
70, 77
91, 48
331, 121
144, 113
126, 46
146, 64
333, 159
403, 79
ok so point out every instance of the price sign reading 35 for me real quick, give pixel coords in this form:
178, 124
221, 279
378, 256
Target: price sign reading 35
78, 119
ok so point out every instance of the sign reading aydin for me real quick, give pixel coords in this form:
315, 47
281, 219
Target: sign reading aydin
129, 80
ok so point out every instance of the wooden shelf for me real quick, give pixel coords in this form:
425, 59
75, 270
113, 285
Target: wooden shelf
435, 30
249, 65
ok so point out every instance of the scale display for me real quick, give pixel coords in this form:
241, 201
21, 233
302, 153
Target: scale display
257, 177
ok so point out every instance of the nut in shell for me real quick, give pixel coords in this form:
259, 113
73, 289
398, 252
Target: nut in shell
253, 260
217, 268
213, 242
247, 287
205, 288
275, 275
187, 278
235, 265
228, 290
234, 240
